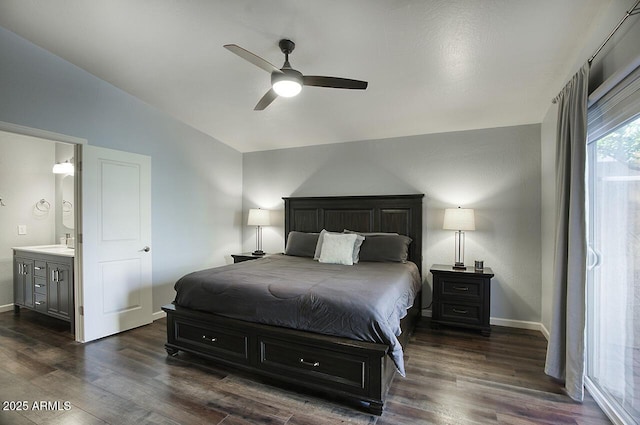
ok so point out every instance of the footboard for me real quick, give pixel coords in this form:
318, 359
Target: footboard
350, 369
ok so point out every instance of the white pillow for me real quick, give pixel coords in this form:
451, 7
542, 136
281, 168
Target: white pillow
337, 248
356, 246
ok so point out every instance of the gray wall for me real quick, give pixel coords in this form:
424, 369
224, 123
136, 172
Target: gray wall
618, 53
196, 180
495, 171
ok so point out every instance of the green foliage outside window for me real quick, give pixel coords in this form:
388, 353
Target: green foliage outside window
623, 145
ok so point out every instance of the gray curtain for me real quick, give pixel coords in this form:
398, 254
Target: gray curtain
565, 352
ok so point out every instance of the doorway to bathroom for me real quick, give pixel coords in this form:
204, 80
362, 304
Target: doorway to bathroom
111, 234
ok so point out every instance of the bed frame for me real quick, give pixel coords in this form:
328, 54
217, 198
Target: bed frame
354, 370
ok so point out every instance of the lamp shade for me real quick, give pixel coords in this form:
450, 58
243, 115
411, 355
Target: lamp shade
259, 217
459, 219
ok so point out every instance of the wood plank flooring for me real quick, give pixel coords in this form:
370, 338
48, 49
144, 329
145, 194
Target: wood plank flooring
453, 377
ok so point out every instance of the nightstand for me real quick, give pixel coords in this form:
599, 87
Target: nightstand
461, 297
245, 256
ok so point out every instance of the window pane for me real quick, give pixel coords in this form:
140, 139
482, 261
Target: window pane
614, 279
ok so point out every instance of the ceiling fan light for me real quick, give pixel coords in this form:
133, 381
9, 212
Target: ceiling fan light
287, 88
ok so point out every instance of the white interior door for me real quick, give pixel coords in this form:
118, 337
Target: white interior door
116, 239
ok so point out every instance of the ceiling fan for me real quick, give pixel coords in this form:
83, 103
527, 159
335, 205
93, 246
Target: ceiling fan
286, 81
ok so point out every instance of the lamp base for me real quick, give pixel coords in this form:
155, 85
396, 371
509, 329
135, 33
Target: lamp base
459, 266
258, 252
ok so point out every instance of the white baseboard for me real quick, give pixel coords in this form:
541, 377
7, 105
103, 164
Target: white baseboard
520, 324
6, 307
545, 331
159, 315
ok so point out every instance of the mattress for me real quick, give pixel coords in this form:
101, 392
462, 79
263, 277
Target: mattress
364, 302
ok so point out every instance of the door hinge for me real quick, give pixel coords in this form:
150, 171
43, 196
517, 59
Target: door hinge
79, 238
81, 310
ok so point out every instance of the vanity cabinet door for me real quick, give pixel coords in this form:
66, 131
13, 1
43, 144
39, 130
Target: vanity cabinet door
60, 290
23, 282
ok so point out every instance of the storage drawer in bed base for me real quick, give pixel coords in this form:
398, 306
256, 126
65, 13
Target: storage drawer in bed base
351, 369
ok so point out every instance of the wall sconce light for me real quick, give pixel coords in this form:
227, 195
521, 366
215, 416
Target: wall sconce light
459, 219
63, 168
259, 217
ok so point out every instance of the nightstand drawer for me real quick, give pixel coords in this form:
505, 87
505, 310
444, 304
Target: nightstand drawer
461, 313
470, 289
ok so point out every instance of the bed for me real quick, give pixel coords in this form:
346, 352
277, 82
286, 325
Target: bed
323, 359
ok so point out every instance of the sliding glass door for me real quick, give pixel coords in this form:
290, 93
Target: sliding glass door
613, 291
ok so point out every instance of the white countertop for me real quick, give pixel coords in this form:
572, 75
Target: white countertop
61, 250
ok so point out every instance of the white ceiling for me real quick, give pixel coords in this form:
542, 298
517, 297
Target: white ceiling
432, 66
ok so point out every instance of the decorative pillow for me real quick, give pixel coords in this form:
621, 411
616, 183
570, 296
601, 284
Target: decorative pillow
337, 248
356, 246
300, 244
381, 248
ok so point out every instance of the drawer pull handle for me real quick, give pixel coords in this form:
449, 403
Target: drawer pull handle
38, 268
37, 285
39, 302
455, 310
209, 339
312, 364
461, 288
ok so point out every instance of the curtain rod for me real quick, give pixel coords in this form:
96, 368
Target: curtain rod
633, 11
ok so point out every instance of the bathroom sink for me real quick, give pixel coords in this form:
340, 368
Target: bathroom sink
48, 249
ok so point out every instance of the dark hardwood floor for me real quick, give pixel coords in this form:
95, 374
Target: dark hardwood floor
453, 377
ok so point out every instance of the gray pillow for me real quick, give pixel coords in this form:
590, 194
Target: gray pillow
300, 244
383, 248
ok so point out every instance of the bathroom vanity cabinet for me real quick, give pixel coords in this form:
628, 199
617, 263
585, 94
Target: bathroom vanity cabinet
43, 281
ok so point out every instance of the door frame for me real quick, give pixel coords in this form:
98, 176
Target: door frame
77, 181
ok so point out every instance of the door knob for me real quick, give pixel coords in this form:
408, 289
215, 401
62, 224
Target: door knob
146, 249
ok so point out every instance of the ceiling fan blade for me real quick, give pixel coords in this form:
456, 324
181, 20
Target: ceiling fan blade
334, 82
250, 57
266, 100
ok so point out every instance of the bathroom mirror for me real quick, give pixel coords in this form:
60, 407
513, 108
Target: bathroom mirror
67, 202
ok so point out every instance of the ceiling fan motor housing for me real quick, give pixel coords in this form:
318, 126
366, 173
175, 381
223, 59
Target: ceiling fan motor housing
286, 46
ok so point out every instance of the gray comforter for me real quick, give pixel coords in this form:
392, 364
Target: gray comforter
364, 302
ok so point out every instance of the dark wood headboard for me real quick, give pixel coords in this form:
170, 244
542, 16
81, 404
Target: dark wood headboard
386, 213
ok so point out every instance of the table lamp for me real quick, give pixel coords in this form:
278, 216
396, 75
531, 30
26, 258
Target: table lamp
459, 219
258, 217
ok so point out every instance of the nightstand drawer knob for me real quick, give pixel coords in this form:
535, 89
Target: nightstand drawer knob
461, 288
455, 310
209, 338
